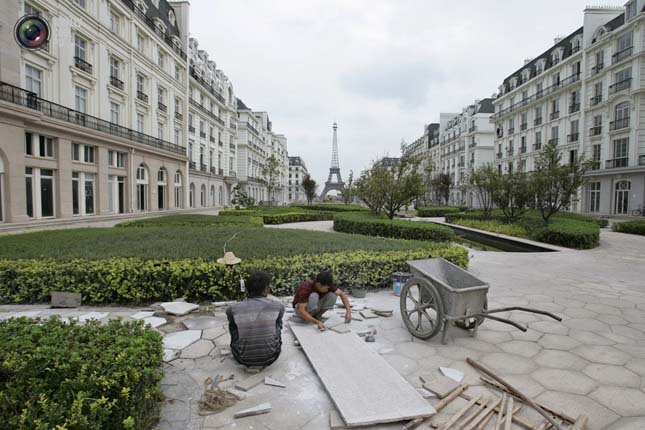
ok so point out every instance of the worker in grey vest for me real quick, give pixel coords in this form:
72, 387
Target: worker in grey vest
255, 324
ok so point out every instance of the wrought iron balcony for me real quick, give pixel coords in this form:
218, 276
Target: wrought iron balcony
597, 68
595, 131
212, 139
523, 149
511, 130
537, 146
83, 65
619, 124
621, 55
220, 172
472, 144
232, 126
179, 116
473, 128
625, 84
523, 126
231, 147
213, 170
573, 137
510, 151
215, 93
220, 143
595, 100
191, 128
202, 134
499, 155
575, 107
537, 121
553, 141
617, 163
192, 165
162, 107
232, 173
554, 115
21, 97
116, 82
203, 167
142, 96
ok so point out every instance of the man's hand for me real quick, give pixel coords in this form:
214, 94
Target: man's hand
320, 326
348, 317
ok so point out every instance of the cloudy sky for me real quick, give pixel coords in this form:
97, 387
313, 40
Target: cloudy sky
380, 68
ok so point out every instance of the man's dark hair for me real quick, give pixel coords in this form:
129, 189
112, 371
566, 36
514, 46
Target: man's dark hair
325, 278
257, 282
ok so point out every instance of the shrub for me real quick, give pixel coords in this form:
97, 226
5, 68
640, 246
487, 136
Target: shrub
436, 211
632, 227
132, 281
568, 233
372, 225
55, 375
238, 212
332, 207
191, 220
494, 226
303, 216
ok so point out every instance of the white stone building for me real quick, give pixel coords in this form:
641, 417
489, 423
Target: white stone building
212, 125
585, 94
297, 171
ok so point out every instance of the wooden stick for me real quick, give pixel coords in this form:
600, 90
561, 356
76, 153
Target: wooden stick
438, 407
502, 388
459, 414
528, 400
490, 415
545, 425
580, 424
488, 410
509, 415
500, 415
518, 420
472, 416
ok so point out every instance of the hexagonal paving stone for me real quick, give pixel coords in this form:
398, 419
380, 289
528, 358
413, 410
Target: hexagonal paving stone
611, 319
587, 324
634, 315
590, 338
415, 350
202, 323
508, 363
602, 354
213, 333
201, 348
401, 364
560, 360
629, 332
518, 347
493, 337
181, 339
524, 383
636, 365
475, 344
612, 375
552, 327
567, 381
556, 341
637, 423
577, 405
579, 313
456, 352
603, 309
624, 401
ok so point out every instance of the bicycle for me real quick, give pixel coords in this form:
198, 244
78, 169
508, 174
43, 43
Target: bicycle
638, 211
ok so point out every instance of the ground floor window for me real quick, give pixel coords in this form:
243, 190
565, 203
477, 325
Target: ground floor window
621, 197
1, 196
116, 194
202, 196
191, 196
142, 200
593, 197
83, 193
178, 201
39, 188
221, 196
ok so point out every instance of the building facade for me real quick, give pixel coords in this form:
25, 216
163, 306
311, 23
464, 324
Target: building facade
297, 171
86, 122
584, 94
212, 125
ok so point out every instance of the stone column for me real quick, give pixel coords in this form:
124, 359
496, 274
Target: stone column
64, 178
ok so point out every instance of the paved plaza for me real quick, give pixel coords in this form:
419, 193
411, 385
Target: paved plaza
591, 363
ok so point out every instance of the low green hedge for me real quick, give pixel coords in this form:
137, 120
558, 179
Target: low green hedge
55, 375
494, 226
193, 220
133, 281
631, 227
281, 215
533, 215
332, 207
436, 211
371, 225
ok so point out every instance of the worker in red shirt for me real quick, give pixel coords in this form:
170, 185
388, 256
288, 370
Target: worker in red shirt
314, 297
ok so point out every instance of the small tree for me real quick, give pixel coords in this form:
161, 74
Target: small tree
349, 190
405, 184
441, 186
480, 182
511, 193
240, 198
271, 174
309, 185
369, 187
555, 185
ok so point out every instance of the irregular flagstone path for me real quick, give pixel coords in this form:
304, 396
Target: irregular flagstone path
592, 363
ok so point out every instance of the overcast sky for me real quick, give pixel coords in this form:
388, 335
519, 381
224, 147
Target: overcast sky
381, 69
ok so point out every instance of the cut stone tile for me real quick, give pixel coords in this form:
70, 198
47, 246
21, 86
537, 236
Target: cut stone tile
560, 360
624, 401
550, 327
439, 384
274, 383
556, 341
142, 314
577, 405
454, 374
368, 314
179, 308
250, 382
22, 314
426, 394
65, 300
202, 323
92, 316
612, 375
636, 365
155, 321
508, 363
341, 328
201, 348
602, 354
170, 354
181, 339
518, 347
637, 423
590, 338
567, 381
213, 333
263, 408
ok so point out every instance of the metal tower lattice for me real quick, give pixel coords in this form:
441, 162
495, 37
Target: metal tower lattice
334, 150
334, 170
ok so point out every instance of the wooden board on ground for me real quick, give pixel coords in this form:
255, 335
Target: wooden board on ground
363, 386
438, 384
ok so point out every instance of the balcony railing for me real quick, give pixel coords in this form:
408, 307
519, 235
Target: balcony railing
21, 97
191, 128
617, 163
213, 170
231, 147
116, 82
510, 152
641, 160
619, 124
595, 100
207, 112
203, 167
597, 68
621, 55
523, 149
174, 45
461, 164
595, 165
212, 139
573, 137
83, 65
537, 146
620, 86
232, 173
472, 144
511, 130
253, 129
537, 121
473, 128
220, 172
499, 155
209, 87
595, 131
162, 107
575, 107
179, 116
232, 126
192, 165
142, 96
554, 115
220, 143
553, 141
202, 134
523, 126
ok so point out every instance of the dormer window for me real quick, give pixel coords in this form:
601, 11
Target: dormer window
171, 17
513, 83
160, 25
141, 5
600, 33
539, 66
555, 58
631, 9
526, 74
575, 45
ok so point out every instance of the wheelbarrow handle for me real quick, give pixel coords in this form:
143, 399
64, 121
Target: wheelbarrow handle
505, 321
521, 308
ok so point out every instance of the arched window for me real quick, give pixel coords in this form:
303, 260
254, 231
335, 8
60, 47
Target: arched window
202, 196
162, 188
142, 188
178, 199
212, 195
221, 196
191, 195
621, 197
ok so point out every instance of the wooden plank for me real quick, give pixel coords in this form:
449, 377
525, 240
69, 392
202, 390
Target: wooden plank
364, 387
581, 423
508, 423
500, 415
518, 420
461, 412
482, 416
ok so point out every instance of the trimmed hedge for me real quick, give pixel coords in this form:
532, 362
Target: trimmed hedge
436, 211
532, 215
133, 281
332, 207
569, 233
55, 375
372, 225
631, 227
190, 220
282, 216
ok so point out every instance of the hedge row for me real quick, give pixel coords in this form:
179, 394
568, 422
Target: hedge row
371, 225
55, 375
632, 227
133, 281
332, 207
190, 220
280, 217
532, 215
436, 211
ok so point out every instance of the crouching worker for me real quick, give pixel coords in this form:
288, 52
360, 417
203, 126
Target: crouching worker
316, 296
255, 324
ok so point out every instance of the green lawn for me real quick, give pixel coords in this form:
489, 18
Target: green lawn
187, 242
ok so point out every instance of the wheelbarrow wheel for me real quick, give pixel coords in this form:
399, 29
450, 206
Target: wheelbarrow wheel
421, 308
470, 323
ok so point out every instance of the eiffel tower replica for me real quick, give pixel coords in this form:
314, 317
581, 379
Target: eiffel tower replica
338, 184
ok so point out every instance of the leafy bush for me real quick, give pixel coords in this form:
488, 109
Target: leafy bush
122, 280
436, 211
494, 226
372, 225
55, 375
632, 227
190, 220
281, 215
332, 207
569, 233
